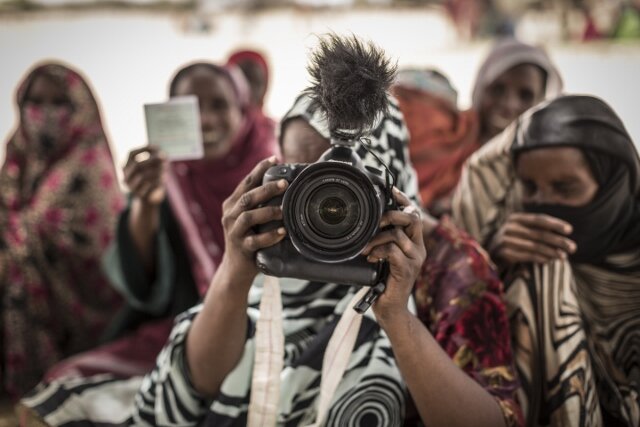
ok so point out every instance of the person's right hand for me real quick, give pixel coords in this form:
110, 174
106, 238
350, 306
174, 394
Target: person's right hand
528, 237
145, 173
241, 215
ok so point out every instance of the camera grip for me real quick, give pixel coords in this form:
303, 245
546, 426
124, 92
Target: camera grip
283, 261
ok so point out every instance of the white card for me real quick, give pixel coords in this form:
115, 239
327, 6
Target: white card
174, 127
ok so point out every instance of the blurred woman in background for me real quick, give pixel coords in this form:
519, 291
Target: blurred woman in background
59, 202
514, 77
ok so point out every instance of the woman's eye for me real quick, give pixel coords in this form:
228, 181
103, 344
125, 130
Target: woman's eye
529, 187
565, 190
219, 105
496, 90
61, 102
526, 96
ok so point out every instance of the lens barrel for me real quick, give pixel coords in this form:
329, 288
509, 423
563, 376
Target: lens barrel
331, 211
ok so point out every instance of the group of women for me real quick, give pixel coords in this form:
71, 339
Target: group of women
513, 295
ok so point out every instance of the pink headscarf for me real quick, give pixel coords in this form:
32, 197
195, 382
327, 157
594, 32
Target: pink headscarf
255, 57
197, 188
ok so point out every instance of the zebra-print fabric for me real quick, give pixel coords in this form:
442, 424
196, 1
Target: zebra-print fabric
576, 338
371, 392
486, 193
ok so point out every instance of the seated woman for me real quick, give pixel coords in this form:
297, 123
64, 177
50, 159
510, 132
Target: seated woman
59, 201
166, 248
571, 256
514, 77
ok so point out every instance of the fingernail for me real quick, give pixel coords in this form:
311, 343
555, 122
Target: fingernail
383, 223
395, 190
282, 184
572, 247
568, 229
282, 231
372, 259
563, 255
273, 159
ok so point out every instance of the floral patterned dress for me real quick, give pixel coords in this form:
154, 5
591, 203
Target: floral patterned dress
59, 201
460, 299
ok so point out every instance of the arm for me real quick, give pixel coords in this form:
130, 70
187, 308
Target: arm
144, 174
222, 323
438, 387
441, 388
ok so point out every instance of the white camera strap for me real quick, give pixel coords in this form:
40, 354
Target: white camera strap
269, 357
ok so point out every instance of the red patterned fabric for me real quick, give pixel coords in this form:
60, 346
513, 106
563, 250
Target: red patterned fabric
59, 200
460, 299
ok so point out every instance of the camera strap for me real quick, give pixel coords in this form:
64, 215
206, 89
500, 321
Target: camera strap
269, 357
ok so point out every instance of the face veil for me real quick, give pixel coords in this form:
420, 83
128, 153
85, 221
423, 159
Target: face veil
610, 223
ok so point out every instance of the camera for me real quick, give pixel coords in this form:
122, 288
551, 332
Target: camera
331, 210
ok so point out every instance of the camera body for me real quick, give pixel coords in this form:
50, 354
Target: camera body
331, 210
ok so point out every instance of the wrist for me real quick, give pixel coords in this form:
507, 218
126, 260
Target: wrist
390, 320
231, 277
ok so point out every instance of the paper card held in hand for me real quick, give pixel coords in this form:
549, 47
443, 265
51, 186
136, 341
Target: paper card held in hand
174, 127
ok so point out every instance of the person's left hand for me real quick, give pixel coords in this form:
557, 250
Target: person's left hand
403, 247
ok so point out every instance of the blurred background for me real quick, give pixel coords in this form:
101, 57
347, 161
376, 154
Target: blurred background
129, 49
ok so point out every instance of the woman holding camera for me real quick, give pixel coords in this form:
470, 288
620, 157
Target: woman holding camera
398, 372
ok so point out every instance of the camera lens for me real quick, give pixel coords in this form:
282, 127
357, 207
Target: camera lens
333, 210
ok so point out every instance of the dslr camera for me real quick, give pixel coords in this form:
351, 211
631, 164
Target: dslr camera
331, 210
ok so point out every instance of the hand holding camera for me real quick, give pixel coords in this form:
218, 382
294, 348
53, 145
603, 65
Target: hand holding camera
241, 213
401, 244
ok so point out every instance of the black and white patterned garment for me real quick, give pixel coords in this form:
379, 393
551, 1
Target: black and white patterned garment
370, 394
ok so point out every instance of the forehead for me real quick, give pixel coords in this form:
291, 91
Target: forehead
45, 85
523, 74
551, 163
203, 81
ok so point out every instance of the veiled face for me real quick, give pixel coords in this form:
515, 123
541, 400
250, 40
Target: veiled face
511, 94
44, 92
556, 176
